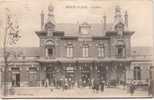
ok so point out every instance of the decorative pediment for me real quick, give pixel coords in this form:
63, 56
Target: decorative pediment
50, 43
100, 43
68, 43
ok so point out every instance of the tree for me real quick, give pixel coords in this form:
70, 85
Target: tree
11, 36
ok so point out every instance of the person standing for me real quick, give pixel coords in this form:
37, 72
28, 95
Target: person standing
47, 82
149, 88
97, 86
102, 85
132, 88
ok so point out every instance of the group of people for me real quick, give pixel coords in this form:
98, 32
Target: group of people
94, 84
56, 83
98, 85
131, 88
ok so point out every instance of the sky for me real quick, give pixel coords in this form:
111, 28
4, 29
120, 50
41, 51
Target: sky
27, 15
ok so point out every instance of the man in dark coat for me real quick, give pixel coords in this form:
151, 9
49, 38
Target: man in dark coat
102, 83
132, 88
96, 85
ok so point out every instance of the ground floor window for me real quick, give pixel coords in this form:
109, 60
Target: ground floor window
16, 80
137, 73
15, 77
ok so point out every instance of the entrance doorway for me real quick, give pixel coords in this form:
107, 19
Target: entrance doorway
16, 80
85, 76
70, 75
101, 73
50, 76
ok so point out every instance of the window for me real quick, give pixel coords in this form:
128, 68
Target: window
69, 51
120, 52
84, 31
85, 51
15, 77
49, 52
32, 76
101, 51
84, 28
137, 73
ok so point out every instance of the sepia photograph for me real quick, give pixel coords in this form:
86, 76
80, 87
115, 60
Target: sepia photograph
76, 49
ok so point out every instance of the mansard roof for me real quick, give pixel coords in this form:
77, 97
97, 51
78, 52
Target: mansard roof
141, 51
25, 51
73, 29
141, 54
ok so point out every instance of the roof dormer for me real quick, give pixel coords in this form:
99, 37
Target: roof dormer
84, 28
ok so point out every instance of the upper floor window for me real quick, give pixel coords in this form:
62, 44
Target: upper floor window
101, 51
120, 48
49, 52
120, 52
85, 51
69, 51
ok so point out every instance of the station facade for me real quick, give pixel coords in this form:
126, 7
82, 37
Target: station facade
76, 53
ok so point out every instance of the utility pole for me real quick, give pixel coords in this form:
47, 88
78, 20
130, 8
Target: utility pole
11, 36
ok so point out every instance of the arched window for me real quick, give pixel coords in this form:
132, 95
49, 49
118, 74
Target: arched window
85, 50
50, 43
121, 49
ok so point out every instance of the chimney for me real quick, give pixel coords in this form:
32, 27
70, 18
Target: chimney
42, 20
126, 19
104, 22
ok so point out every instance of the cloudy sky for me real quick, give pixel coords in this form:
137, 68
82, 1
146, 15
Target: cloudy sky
27, 13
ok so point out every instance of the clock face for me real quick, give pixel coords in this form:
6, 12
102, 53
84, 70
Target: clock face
84, 31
